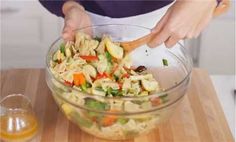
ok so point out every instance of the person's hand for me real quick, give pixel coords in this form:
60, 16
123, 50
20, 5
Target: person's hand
184, 19
75, 18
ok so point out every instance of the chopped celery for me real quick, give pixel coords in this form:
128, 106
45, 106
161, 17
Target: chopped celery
108, 56
83, 87
109, 62
99, 88
81, 121
75, 116
113, 92
165, 62
122, 120
164, 98
109, 67
62, 48
96, 105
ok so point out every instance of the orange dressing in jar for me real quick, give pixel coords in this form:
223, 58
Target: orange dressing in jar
18, 127
18, 122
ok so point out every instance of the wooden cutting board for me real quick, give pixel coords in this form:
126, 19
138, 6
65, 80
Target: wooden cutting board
198, 119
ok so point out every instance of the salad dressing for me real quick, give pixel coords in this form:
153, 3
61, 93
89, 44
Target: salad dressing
18, 127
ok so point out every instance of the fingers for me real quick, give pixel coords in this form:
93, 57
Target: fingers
75, 19
71, 24
68, 30
157, 29
169, 35
159, 38
171, 41
183, 20
67, 33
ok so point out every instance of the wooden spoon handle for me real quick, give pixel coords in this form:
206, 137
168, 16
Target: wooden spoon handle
222, 7
131, 45
143, 40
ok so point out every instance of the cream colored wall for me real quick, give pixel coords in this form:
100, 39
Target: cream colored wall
27, 30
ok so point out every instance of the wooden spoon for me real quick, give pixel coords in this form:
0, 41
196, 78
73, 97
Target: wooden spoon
129, 46
222, 7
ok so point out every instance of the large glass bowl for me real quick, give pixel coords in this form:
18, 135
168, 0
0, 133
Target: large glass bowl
137, 115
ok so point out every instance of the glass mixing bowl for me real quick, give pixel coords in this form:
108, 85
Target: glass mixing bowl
136, 115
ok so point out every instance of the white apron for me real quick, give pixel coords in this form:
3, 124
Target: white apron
148, 20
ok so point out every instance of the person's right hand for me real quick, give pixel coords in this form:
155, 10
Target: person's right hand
75, 18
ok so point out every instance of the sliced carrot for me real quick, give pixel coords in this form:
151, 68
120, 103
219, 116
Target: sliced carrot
108, 120
120, 86
126, 75
89, 58
79, 79
156, 101
104, 75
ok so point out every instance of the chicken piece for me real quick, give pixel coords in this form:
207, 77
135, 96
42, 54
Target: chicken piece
101, 47
102, 64
84, 48
60, 68
67, 76
79, 39
90, 70
126, 84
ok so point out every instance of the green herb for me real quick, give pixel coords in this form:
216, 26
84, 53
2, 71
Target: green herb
113, 92
165, 62
62, 48
108, 56
99, 88
122, 120
83, 87
98, 38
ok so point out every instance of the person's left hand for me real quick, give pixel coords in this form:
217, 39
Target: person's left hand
184, 19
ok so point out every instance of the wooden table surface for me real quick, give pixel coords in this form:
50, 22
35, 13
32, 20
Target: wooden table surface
199, 118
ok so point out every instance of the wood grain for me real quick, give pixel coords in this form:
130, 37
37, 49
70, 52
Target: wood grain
199, 118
